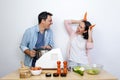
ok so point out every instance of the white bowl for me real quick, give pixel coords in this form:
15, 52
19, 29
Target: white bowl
36, 72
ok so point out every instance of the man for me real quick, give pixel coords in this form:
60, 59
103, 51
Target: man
38, 36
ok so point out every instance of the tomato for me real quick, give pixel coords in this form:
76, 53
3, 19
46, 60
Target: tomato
35, 68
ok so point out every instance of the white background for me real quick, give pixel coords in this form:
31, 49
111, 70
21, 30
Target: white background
18, 15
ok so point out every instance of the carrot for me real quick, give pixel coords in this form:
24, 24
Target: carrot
92, 26
85, 16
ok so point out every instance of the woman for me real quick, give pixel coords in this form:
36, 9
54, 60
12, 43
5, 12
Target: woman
80, 42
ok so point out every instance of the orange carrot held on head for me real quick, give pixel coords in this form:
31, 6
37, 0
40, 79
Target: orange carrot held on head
92, 26
85, 16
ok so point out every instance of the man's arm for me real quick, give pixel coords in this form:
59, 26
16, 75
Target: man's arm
49, 43
25, 41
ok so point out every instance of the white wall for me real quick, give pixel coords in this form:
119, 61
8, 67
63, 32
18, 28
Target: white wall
18, 15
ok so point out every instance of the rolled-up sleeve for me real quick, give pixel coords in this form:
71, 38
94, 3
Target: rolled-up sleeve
89, 45
25, 41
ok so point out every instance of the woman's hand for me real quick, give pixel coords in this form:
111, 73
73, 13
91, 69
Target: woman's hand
90, 33
90, 29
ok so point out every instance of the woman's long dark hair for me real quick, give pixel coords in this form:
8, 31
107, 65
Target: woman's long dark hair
87, 25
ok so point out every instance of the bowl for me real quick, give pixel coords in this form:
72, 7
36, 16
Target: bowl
94, 69
35, 70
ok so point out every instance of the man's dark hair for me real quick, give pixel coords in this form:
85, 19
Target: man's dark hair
43, 15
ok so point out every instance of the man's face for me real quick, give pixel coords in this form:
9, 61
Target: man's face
48, 22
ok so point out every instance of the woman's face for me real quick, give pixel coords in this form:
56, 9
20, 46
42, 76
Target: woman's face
81, 28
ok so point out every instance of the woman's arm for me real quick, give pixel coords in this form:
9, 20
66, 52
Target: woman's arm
90, 39
68, 23
89, 43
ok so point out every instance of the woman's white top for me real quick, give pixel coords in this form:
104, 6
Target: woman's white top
78, 50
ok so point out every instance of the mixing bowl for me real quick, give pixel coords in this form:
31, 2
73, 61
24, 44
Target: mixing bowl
94, 69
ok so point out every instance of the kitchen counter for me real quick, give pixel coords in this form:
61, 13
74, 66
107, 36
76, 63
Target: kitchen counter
104, 75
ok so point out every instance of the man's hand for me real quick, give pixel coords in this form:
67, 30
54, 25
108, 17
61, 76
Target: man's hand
46, 47
31, 53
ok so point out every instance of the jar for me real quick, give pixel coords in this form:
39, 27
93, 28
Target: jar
24, 73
